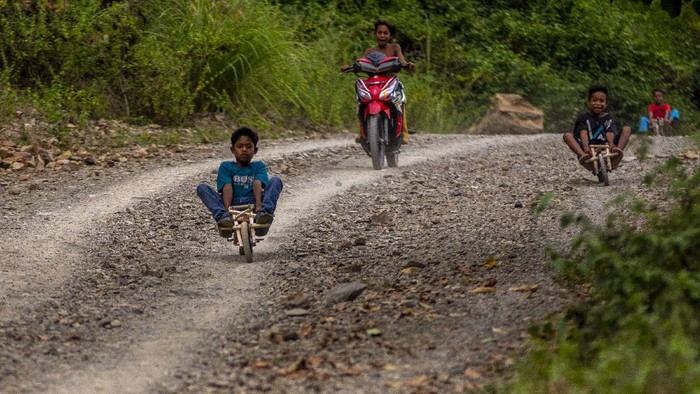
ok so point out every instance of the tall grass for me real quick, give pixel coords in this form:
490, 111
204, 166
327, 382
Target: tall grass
235, 56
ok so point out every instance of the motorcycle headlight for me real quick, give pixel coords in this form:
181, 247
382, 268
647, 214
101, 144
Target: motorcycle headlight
389, 91
363, 93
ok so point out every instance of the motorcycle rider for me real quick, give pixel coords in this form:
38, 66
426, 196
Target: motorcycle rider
383, 33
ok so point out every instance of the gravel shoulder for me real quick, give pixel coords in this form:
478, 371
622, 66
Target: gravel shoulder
114, 280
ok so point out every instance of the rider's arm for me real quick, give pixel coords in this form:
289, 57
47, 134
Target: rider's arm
610, 137
257, 193
584, 141
227, 195
399, 54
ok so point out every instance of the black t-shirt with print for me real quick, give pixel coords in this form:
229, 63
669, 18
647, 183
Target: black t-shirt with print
597, 126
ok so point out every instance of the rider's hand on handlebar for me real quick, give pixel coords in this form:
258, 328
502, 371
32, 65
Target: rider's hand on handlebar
410, 66
345, 68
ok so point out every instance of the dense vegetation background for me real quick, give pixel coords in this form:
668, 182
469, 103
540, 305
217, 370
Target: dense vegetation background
275, 63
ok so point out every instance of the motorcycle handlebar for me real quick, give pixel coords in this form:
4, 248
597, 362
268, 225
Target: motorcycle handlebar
355, 68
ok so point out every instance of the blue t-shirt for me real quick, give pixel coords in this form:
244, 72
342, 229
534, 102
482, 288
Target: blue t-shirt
241, 178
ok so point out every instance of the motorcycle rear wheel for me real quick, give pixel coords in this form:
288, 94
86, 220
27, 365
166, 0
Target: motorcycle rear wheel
376, 146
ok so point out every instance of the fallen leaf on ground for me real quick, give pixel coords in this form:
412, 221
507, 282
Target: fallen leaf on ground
691, 155
490, 263
419, 381
374, 332
295, 366
525, 288
261, 365
305, 330
351, 371
471, 373
484, 289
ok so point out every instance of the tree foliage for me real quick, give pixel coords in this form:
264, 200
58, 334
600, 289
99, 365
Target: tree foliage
276, 62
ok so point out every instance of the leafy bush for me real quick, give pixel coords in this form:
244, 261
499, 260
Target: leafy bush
275, 63
639, 331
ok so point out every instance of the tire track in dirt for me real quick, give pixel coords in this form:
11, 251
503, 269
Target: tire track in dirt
172, 338
42, 255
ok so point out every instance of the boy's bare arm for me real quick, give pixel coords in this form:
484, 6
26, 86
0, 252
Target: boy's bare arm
257, 193
584, 141
399, 54
610, 136
227, 195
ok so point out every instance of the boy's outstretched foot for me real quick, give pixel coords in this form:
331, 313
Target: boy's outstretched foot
225, 226
583, 160
263, 218
615, 160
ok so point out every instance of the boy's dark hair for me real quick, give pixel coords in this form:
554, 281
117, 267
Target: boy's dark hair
388, 25
653, 92
241, 131
597, 88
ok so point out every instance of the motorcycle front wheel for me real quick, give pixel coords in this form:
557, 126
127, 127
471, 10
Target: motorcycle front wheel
375, 128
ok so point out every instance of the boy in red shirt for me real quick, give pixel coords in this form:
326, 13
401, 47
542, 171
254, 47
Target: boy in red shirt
659, 109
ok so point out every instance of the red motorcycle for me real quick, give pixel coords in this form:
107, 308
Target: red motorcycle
380, 102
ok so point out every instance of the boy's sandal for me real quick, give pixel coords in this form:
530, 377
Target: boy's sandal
583, 159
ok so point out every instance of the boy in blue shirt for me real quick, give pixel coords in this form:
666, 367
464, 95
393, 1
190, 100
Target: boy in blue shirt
241, 182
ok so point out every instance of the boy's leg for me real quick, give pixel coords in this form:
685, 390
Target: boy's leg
576, 147
623, 137
621, 140
404, 124
271, 194
573, 144
213, 201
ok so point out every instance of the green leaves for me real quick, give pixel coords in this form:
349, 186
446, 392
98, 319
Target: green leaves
638, 331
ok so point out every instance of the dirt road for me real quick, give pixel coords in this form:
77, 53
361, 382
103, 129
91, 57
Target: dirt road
114, 280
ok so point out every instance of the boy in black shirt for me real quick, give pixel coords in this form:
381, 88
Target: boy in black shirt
596, 127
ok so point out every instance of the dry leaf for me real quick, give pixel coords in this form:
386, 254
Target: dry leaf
417, 382
295, 366
305, 330
525, 288
471, 373
261, 365
409, 270
484, 289
351, 371
490, 263
691, 155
